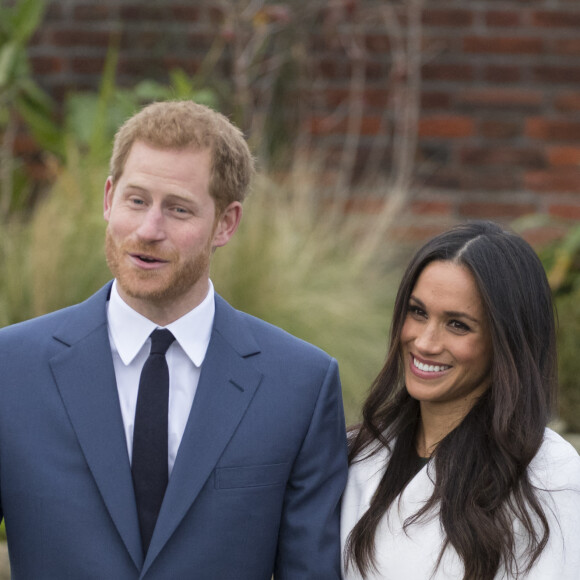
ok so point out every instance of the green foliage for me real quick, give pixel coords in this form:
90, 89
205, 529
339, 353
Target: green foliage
55, 258
20, 98
562, 260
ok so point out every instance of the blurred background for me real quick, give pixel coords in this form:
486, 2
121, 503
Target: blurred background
376, 124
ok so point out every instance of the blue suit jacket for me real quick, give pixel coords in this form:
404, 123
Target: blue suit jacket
256, 485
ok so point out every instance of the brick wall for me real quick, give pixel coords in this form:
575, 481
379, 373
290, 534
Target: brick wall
499, 122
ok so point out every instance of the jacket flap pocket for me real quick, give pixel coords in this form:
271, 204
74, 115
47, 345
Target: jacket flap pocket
252, 476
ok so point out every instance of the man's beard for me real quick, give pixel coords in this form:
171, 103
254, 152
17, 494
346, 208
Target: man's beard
158, 287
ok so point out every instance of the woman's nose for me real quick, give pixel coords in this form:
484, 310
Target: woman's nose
428, 339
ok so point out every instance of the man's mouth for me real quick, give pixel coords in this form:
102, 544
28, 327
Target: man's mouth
147, 259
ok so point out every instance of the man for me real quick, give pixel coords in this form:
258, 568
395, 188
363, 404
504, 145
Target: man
234, 468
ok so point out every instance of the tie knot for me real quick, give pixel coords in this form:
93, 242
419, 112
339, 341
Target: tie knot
161, 339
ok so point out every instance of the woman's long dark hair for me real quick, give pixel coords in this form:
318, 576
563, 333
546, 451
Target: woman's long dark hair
481, 481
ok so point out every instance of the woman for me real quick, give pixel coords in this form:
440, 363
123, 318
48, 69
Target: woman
454, 474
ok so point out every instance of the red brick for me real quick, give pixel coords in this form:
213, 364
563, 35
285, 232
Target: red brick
188, 64
568, 102
556, 74
378, 43
432, 207
501, 98
93, 11
324, 125
435, 100
334, 96
376, 97
142, 39
556, 130
186, 12
556, 19
69, 37
371, 125
329, 68
503, 45
501, 156
216, 15
437, 45
502, 73
444, 177
447, 72
464, 180
364, 205
87, 64
503, 18
495, 209
540, 236
553, 180
446, 127
137, 66
495, 129
142, 12
564, 156
567, 46
566, 211
450, 17
375, 70
43, 65
199, 41
490, 180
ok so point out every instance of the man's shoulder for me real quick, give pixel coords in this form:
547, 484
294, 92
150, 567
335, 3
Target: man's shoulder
266, 334
41, 327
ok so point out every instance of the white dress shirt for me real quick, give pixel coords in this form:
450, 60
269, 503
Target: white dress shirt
130, 345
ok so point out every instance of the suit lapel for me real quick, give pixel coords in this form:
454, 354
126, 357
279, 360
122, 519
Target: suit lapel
226, 387
85, 377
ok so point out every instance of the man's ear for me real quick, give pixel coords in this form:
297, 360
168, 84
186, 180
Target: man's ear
108, 198
227, 223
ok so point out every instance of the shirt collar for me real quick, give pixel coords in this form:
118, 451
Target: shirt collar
129, 330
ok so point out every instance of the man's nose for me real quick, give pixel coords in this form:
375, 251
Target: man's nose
152, 226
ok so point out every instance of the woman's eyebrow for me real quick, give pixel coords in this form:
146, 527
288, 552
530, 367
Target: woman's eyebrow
450, 313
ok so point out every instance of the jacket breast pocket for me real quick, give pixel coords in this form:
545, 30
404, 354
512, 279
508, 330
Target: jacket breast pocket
251, 476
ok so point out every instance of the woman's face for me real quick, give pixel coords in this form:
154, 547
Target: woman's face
445, 340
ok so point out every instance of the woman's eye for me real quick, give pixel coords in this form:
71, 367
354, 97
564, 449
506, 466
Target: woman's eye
416, 311
457, 325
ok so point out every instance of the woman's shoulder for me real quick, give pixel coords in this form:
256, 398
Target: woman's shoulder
557, 463
369, 464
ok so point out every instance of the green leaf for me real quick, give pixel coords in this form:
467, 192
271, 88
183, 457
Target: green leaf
8, 62
27, 17
38, 119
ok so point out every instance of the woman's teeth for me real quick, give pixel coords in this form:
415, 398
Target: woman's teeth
429, 368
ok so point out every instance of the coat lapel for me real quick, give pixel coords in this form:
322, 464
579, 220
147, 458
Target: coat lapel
227, 384
85, 377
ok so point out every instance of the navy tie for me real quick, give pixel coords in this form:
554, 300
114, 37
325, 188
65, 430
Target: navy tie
149, 462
